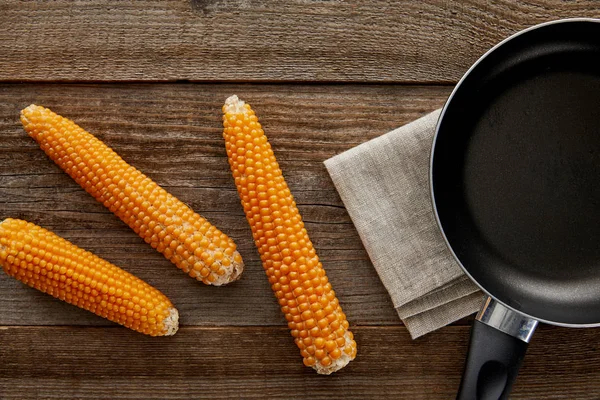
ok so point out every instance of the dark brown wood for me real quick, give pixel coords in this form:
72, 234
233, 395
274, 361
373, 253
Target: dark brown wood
243, 40
173, 133
278, 56
263, 362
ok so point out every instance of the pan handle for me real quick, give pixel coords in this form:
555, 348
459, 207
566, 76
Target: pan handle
499, 339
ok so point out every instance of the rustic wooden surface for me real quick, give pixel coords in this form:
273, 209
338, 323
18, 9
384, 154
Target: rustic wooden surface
149, 79
250, 40
261, 362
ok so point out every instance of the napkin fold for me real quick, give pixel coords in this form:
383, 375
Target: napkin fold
384, 184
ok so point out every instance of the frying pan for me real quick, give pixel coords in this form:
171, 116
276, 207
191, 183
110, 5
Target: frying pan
514, 175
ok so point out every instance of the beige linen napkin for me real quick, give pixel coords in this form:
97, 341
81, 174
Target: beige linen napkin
384, 184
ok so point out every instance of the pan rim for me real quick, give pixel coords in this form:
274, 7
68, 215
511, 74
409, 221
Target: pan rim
431, 159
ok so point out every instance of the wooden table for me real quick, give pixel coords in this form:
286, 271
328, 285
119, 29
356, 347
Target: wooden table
149, 78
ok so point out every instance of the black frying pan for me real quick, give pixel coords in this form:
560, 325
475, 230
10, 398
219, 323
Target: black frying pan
515, 172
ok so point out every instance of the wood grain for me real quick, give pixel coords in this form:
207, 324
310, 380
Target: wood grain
324, 76
173, 133
263, 362
259, 40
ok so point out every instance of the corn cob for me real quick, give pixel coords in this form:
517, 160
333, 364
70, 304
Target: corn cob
313, 312
53, 265
168, 225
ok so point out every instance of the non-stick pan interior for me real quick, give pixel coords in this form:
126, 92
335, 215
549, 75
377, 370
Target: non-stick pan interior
516, 168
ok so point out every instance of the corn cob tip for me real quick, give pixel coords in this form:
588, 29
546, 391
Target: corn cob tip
29, 114
171, 322
339, 363
26, 113
233, 272
234, 105
29, 109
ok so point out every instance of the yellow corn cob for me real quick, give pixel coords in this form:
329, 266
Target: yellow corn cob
297, 277
53, 265
171, 227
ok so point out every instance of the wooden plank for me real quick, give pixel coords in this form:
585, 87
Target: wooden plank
260, 40
172, 132
262, 362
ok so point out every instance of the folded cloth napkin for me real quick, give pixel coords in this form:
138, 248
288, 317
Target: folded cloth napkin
384, 184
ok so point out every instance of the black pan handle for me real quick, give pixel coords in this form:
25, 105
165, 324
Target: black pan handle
499, 340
